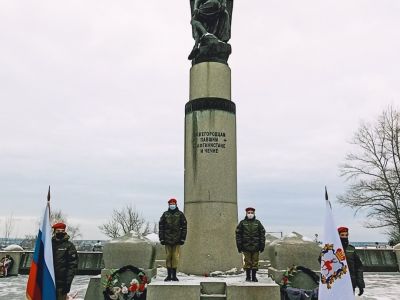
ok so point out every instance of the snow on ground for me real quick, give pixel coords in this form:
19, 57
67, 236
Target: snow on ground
191, 279
382, 286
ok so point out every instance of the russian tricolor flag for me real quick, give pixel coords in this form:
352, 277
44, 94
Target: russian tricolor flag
41, 281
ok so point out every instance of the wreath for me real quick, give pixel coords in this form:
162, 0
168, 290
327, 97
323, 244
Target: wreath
291, 272
6, 264
286, 283
136, 289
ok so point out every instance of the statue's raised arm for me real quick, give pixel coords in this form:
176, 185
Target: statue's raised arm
211, 26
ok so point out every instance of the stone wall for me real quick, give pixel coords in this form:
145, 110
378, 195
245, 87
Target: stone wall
378, 260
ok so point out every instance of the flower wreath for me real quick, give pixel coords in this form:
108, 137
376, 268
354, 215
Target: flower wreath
136, 289
291, 272
6, 264
287, 276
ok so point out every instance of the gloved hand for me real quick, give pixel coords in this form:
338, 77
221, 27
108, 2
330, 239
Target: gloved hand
261, 249
162, 242
361, 291
181, 242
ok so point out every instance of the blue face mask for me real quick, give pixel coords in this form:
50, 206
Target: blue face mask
172, 206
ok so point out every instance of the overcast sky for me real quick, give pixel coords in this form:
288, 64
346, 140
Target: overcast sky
92, 98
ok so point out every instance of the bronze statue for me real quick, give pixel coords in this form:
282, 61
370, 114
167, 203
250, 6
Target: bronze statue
211, 25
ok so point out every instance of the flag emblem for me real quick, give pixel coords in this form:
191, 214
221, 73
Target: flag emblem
333, 265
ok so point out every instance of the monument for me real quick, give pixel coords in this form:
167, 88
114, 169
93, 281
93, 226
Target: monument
210, 145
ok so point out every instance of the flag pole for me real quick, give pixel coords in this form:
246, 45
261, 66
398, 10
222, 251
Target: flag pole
48, 200
327, 198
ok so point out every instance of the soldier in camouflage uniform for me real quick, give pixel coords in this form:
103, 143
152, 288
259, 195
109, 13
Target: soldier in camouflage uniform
353, 261
65, 259
250, 240
172, 234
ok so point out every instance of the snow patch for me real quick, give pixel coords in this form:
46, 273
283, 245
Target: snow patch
153, 237
13, 248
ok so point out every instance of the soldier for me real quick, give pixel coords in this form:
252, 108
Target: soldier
65, 260
172, 234
250, 240
353, 261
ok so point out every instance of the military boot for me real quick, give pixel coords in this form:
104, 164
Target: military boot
253, 275
248, 275
168, 278
174, 278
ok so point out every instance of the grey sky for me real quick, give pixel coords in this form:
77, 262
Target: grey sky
92, 100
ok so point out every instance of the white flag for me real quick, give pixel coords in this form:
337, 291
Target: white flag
335, 280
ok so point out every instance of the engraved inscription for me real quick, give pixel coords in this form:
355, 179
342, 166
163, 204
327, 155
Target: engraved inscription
210, 141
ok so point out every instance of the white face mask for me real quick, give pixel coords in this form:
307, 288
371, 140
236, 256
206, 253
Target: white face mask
172, 206
250, 216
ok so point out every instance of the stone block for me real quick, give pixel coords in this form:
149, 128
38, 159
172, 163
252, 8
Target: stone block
130, 249
160, 252
253, 291
210, 79
213, 288
293, 250
269, 238
173, 291
95, 289
16, 256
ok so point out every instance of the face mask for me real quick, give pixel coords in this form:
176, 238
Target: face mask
172, 206
60, 235
250, 216
345, 242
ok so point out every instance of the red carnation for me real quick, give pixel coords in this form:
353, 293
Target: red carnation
142, 287
133, 287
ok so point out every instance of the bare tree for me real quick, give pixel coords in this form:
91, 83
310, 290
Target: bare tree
373, 171
58, 216
123, 221
28, 243
111, 229
155, 227
9, 226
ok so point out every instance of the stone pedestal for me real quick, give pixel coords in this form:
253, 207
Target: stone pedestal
127, 250
292, 250
268, 240
213, 290
173, 291
16, 256
210, 172
258, 291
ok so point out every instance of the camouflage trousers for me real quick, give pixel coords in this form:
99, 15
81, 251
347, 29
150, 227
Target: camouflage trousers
172, 258
251, 260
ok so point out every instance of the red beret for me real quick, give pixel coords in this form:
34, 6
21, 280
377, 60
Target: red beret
59, 226
250, 209
342, 229
172, 201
